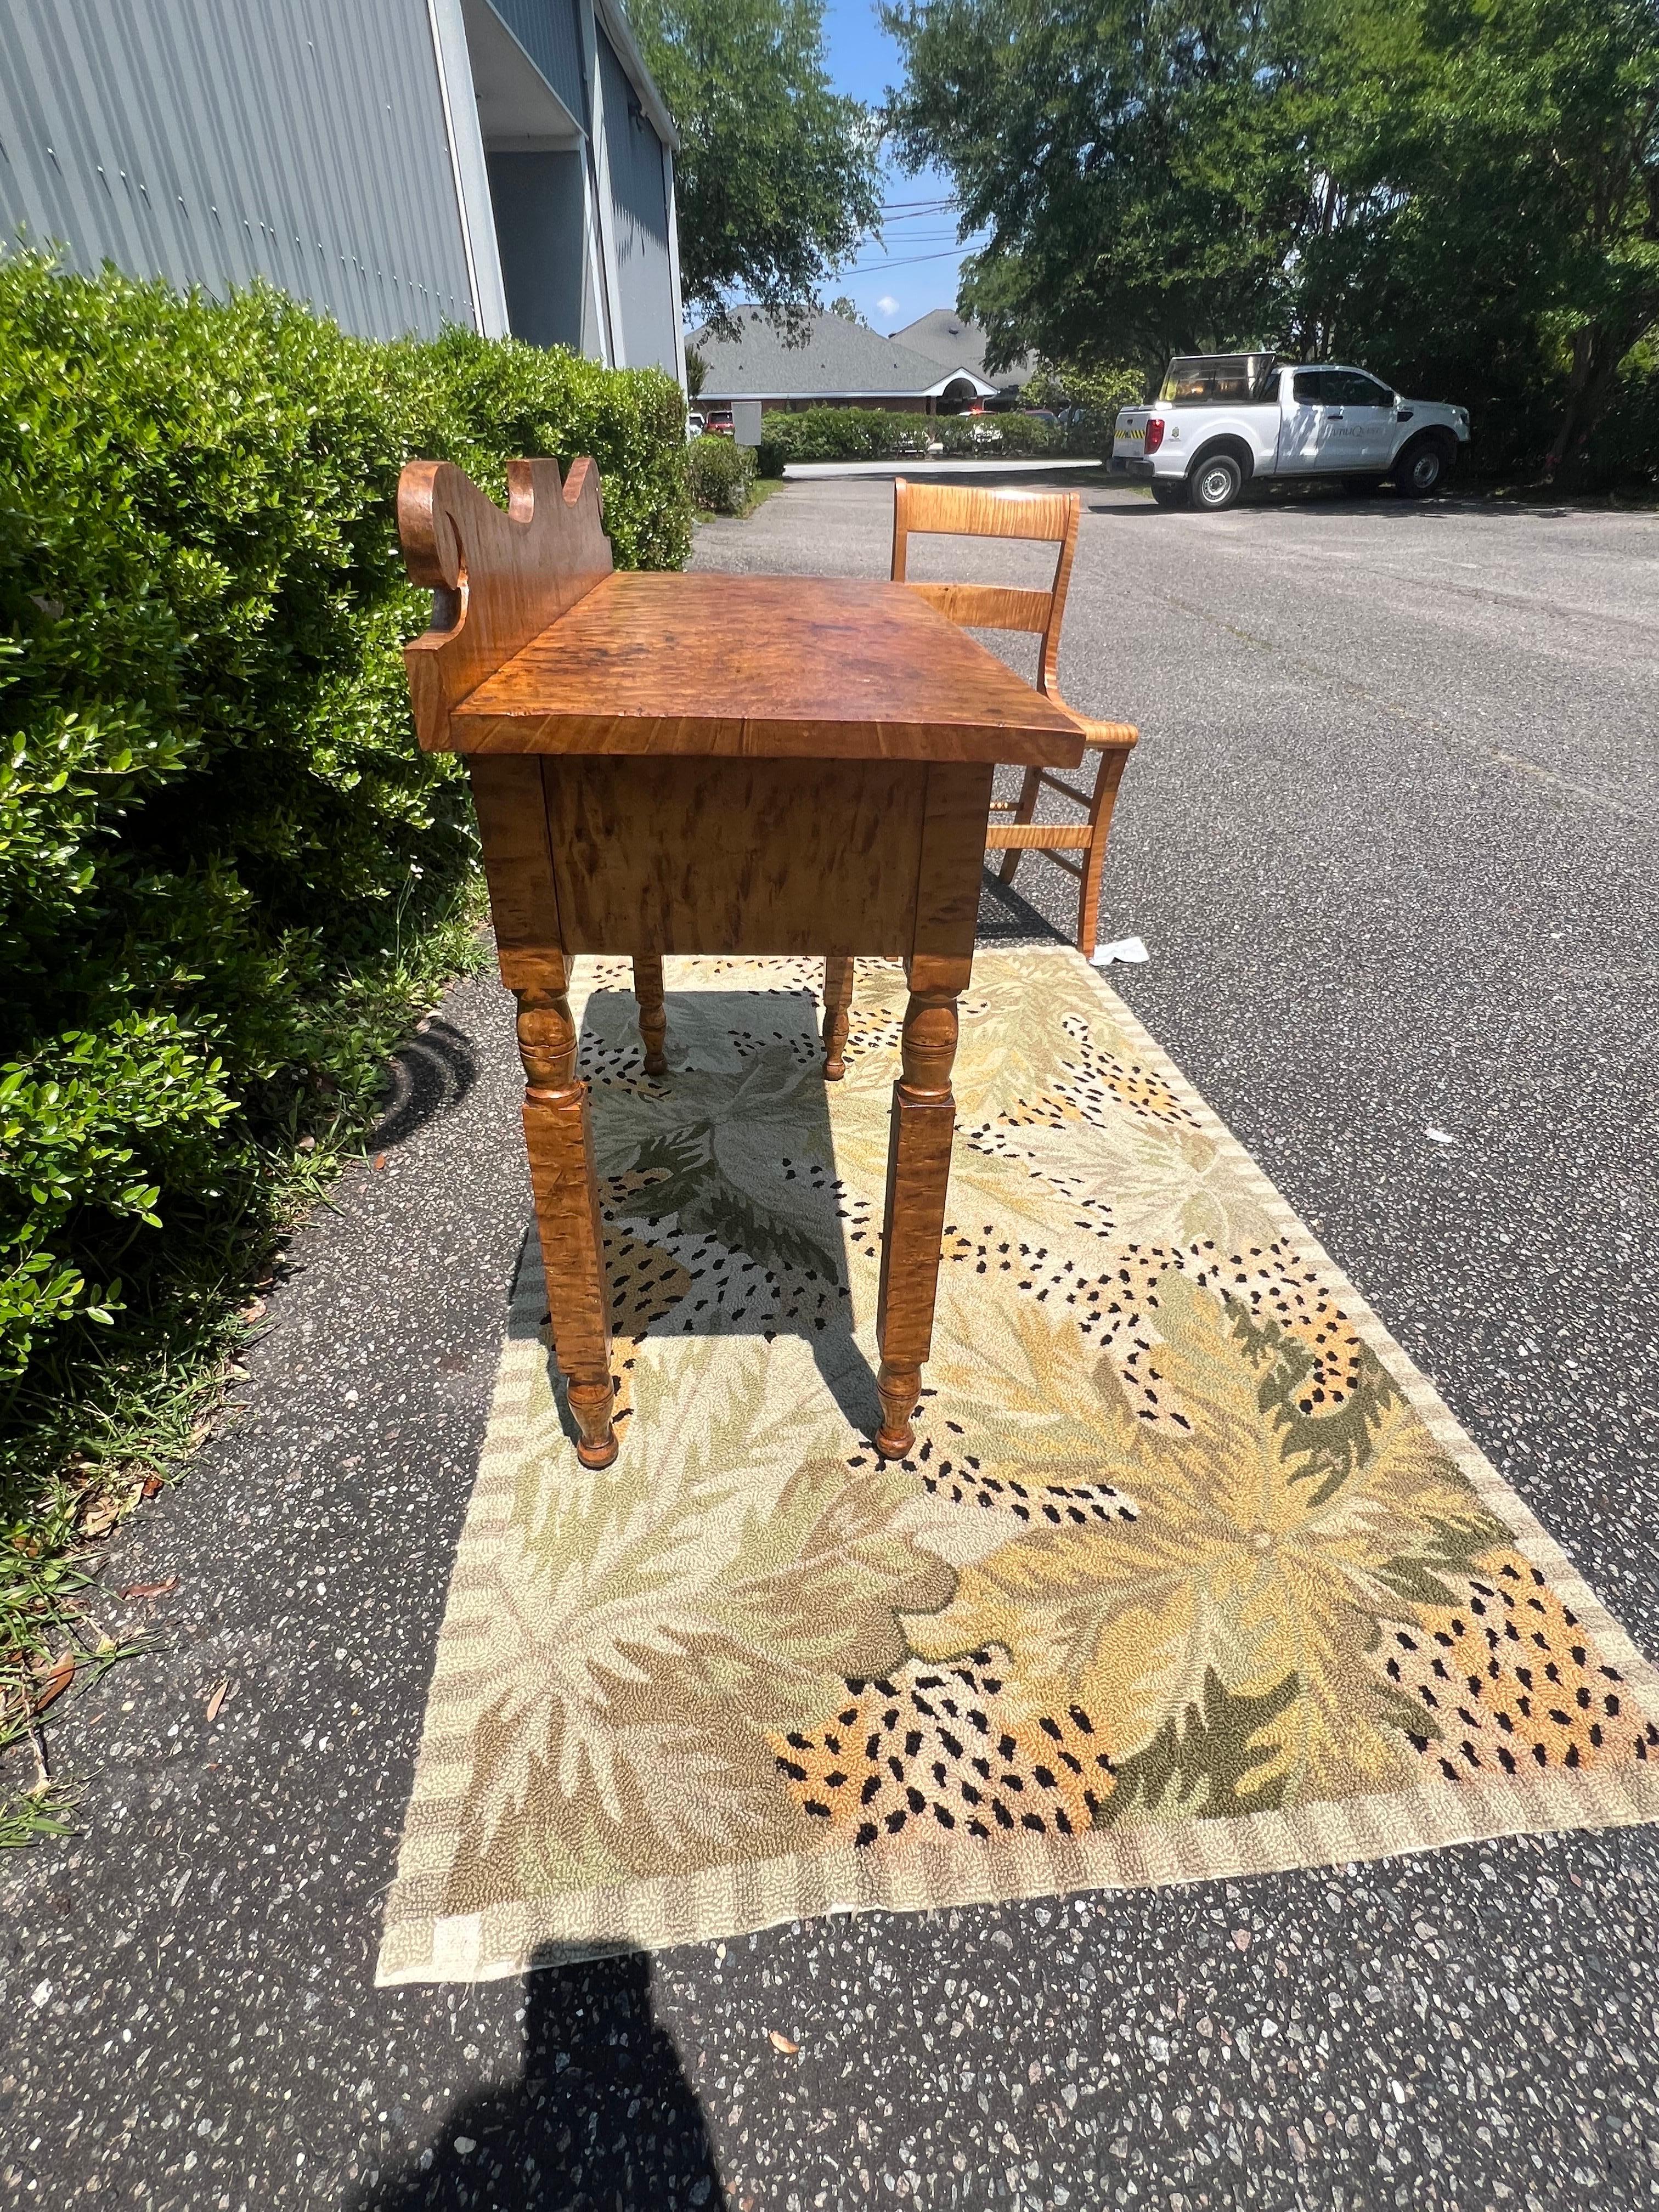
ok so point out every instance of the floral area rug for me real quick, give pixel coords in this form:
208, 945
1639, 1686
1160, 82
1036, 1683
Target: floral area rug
1190, 1574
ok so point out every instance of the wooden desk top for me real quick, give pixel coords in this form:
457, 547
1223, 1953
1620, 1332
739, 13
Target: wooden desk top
761, 667
538, 646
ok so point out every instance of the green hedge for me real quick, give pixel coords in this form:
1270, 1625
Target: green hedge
870, 434
1624, 452
1005, 437
845, 433
722, 475
220, 846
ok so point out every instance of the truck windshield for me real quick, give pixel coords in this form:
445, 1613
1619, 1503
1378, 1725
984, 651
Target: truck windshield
1214, 380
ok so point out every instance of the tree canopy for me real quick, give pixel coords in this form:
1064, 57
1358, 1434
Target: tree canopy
777, 176
1497, 209
1126, 156
1465, 191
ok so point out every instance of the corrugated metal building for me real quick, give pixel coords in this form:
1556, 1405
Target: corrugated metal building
399, 164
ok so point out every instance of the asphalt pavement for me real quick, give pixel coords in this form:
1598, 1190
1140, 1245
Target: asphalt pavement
1392, 838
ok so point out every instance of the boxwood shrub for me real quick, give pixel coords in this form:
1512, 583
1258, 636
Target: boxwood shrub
722, 474
871, 434
846, 434
223, 855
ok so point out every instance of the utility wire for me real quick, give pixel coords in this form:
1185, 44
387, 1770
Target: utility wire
903, 261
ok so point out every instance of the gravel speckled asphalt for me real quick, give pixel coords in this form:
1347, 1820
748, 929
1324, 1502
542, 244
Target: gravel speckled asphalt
1392, 839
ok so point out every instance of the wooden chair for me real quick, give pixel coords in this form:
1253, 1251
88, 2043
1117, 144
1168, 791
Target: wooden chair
1052, 518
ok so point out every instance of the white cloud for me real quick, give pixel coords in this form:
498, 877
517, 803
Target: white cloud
887, 305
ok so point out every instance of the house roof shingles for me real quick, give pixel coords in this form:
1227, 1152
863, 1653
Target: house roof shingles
839, 360
945, 336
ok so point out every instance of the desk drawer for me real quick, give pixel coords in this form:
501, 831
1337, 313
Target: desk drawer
625, 852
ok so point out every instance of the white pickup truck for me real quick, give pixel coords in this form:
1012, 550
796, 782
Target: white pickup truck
1223, 421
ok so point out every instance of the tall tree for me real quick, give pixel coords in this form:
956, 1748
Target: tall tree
1137, 163
778, 174
1495, 165
1465, 192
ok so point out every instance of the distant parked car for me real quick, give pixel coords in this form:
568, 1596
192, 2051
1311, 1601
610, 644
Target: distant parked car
717, 423
1041, 414
1222, 420
694, 424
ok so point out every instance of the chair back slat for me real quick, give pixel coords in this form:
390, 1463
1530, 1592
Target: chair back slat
989, 606
967, 511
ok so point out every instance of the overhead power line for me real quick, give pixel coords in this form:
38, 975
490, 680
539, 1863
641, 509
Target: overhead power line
906, 260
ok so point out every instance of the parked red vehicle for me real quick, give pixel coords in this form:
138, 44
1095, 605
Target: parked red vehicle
717, 423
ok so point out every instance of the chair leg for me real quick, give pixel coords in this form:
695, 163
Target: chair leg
1088, 900
837, 998
1023, 813
653, 1014
1094, 860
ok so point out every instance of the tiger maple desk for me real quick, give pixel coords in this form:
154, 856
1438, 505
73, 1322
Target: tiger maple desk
709, 763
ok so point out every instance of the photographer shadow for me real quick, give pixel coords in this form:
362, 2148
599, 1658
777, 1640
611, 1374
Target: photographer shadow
601, 2119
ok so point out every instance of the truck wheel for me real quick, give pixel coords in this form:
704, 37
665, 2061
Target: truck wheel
1169, 491
1215, 483
1422, 468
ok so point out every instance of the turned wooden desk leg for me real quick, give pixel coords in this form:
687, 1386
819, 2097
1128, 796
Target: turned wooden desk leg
558, 1136
654, 1015
837, 998
918, 1175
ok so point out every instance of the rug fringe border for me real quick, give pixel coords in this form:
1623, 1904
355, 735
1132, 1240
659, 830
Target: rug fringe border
725, 1903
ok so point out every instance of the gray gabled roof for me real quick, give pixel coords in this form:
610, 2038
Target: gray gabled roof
838, 359
942, 335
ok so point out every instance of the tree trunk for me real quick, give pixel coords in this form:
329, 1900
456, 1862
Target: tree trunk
1596, 355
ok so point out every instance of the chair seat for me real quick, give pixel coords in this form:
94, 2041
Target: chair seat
1039, 836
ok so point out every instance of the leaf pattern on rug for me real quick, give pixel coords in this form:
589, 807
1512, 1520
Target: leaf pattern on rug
1250, 1577
712, 1150
1012, 1170
722, 1586
1176, 1546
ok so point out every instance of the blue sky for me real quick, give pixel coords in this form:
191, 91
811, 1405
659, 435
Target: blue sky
915, 266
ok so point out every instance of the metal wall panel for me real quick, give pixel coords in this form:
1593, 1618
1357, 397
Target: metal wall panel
639, 200
302, 140
539, 225
547, 31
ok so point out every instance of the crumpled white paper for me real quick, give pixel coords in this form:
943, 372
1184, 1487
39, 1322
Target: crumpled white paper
1129, 949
